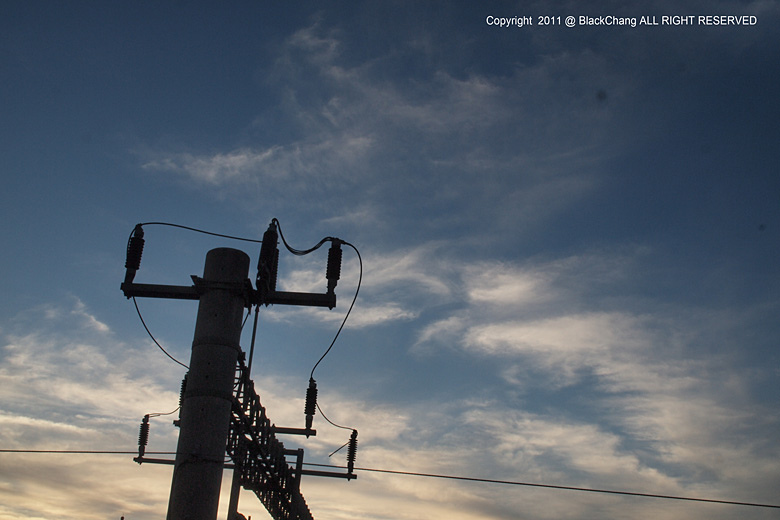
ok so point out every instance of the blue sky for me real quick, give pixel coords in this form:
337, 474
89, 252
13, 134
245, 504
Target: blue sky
569, 236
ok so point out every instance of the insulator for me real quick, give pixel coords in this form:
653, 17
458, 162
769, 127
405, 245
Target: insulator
311, 403
352, 451
143, 436
268, 262
274, 272
333, 272
135, 249
183, 389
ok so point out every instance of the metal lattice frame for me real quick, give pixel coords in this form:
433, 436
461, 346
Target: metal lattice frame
260, 457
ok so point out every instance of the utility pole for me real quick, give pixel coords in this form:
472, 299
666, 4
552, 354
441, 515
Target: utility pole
220, 410
208, 397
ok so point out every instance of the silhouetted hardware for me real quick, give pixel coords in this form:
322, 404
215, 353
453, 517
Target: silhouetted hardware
267, 273
311, 402
259, 459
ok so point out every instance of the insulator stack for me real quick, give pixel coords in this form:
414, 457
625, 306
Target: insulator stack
333, 272
135, 249
274, 272
183, 389
268, 262
143, 436
352, 451
311, 403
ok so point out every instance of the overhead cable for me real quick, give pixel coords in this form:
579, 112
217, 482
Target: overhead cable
152, 336
553, 486
434, 475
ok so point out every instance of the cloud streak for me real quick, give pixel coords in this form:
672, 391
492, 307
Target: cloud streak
448, 142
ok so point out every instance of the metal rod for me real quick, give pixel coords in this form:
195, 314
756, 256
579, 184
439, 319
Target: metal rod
235, 491
294, 431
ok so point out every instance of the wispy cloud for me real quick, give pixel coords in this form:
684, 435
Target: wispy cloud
660, 423
70, 384
659, 414
506, 149
297, 166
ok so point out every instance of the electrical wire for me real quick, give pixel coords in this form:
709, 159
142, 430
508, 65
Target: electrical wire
298, 252
338, 449
435, 475
346, 316
302, 252
87, 452
551, 486
294, 251
196, 230
332, 423
231, 237
159, 414
153, 339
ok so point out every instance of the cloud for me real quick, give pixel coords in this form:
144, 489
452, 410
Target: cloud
296, 167
592, 379
502, 284
558, 338
608, 390
660, 425
91, 321
390, 285
508, 149
217, 169
66, 382
85, 371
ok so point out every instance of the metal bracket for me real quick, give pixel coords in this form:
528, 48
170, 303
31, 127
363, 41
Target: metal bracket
251, 296
294, 431
175, 292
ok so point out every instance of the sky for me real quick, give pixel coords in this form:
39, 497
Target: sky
569, 239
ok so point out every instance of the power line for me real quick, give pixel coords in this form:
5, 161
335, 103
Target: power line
151, 336
89, 452
351, 305
221, 235
553, 486
440, 476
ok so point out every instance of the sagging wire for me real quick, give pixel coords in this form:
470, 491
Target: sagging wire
298, 252
143, 434
346, 316
153, 338
135, 247
267, 270
352, 451
162, 414
196, 230
333, 275
352, 443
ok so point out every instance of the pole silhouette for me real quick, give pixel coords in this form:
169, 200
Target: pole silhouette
207, 400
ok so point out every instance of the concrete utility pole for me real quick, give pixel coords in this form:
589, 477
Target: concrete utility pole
208, 397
